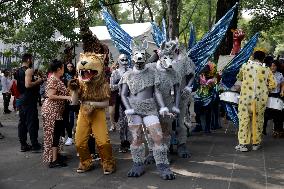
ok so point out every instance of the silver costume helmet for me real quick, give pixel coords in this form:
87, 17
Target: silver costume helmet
122, 60
139, 54
168, 53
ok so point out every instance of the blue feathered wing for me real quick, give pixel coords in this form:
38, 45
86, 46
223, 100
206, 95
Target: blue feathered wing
121, 39
202, 51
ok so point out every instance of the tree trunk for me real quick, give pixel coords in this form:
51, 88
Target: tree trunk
141, 13
209, 14
114, 12
150, 10
188, 19
90, 42
165, 9
133, 12
113, 6
226, 45
173, 18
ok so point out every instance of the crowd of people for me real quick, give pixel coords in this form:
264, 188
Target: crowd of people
133, 111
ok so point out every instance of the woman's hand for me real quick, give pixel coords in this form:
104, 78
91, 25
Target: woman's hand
69, 98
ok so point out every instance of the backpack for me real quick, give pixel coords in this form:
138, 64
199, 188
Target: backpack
20, 77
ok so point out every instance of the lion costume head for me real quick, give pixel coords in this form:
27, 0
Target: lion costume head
90, 67
93, 85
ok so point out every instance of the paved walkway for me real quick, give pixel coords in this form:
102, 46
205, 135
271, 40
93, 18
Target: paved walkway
214, 165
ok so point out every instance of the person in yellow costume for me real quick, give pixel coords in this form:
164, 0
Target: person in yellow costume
257, 80
93, 92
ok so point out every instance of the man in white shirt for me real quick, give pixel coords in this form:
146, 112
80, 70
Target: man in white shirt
6, 87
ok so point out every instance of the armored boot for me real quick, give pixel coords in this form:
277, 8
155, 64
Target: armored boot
162, 163
182, 151
138, 154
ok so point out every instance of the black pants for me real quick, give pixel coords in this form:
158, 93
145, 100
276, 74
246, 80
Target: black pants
215, 113
118, 103
28, 123
277, 118
39, 99
203, 116
68, 120
58, 129
6, 101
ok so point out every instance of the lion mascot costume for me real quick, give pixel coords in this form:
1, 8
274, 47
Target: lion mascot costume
92, 91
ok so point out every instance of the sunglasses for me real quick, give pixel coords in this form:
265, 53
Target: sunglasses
124, 60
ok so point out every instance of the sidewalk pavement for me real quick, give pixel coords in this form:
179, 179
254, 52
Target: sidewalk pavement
214, 165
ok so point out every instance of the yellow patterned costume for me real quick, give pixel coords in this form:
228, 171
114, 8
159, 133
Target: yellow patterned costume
257, 80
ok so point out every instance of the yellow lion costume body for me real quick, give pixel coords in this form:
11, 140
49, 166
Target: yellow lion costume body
92, 90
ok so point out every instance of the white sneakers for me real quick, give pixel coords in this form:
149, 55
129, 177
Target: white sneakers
242, 148
69, 142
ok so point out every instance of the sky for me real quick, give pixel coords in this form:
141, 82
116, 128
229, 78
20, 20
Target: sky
246, 14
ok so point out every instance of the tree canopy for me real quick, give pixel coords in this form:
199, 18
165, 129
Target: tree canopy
35, 23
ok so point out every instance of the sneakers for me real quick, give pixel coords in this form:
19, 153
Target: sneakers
26, 147
244, 148
241, 148
256, 147
69, 142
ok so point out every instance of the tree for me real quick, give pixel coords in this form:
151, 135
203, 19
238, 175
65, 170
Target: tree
35, 23
196, 12
266, 14
174, 18
271, 39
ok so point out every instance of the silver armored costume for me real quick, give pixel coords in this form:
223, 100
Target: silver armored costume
183, 65
139, 88
169, 80
120, 116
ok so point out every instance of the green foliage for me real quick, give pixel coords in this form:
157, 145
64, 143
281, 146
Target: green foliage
7, 53
35, 22
266, 14
15, 64
199, 17
271, 39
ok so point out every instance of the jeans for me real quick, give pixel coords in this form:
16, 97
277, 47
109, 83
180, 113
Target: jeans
6, 101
